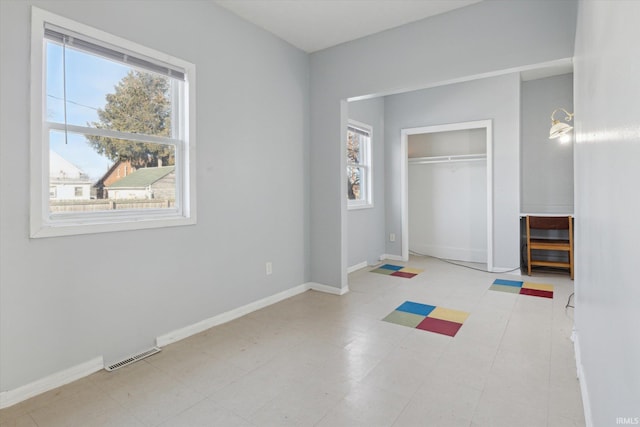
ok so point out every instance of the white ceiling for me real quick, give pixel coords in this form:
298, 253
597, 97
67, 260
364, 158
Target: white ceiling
313, 25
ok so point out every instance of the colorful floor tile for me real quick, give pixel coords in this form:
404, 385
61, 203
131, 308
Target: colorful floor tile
426, 317
439, 326
397, 271
523, 288
391, 267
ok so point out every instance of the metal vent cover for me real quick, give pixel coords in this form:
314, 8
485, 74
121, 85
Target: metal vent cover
131, 359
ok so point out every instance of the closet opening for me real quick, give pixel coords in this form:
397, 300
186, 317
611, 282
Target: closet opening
447, 191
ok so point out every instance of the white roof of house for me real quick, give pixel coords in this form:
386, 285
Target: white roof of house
61, 168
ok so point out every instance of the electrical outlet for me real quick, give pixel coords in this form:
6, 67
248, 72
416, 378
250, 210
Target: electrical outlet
269, 268
392, 237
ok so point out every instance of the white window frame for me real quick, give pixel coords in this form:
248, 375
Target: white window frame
366, 165
45, 224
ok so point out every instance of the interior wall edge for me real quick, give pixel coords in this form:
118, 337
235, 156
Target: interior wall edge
584, 391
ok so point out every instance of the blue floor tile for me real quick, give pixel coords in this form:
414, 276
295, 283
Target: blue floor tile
507, 283
391, 267
416, 308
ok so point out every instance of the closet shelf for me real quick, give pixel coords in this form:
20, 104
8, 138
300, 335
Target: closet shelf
447, 159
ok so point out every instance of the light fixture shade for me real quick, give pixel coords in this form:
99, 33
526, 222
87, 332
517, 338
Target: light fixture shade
558, 129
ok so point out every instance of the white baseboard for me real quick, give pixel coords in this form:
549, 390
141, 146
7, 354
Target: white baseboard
11, 397
203, 325
450, 252
327, 289
507, 270
391, 257
357, 267
586, 403
17, 395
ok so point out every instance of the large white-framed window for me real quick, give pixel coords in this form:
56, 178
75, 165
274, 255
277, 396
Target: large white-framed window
101, 105
359, 183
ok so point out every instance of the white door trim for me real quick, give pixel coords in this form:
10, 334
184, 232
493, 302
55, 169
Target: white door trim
404, 171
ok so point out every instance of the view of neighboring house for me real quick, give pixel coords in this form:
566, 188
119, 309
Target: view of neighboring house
67, 181
145, 183
119, 170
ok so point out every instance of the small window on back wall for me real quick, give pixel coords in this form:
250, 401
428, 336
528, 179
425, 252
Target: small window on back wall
358, 165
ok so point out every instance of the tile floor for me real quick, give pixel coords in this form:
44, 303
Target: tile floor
329, 361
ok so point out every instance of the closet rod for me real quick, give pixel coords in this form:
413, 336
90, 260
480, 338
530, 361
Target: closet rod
447, 159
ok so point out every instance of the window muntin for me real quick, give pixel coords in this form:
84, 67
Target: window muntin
86, 77
141, 102
358, 165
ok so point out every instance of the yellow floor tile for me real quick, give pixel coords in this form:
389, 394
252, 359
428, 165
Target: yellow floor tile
411, 270
449, 314
538, 286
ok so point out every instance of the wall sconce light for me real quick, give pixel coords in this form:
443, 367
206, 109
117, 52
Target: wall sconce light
559, 128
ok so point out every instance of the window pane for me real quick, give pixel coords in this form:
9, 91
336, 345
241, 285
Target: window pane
353, 147
85, 179
355, 184
358, 167
105, 94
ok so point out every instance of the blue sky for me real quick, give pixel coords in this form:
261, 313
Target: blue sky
89, 79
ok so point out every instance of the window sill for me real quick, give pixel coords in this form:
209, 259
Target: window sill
355, 207
61, 228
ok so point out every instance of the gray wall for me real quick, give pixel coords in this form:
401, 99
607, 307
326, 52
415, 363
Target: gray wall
607, 149
496, 98
547, 165
58, 307
481, 38
366, 226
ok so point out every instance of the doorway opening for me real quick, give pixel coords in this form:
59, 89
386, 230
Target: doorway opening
429, 161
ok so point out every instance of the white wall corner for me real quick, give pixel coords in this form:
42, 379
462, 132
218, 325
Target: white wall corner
586, 403
357, 267
203, 325
327, 289
11, 397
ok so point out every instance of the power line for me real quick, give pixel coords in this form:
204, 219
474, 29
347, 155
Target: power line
72, 102
569, 301
448, 261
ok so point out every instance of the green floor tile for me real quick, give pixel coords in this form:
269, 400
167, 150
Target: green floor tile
403, 318
505, 288
383, 271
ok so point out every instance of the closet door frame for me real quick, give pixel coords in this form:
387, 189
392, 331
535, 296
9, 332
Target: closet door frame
404, 171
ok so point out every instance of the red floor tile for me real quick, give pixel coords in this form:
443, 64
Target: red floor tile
536, 293
403, 274
439, 326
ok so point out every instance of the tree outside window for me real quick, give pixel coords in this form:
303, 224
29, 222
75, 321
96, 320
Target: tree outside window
358, 165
